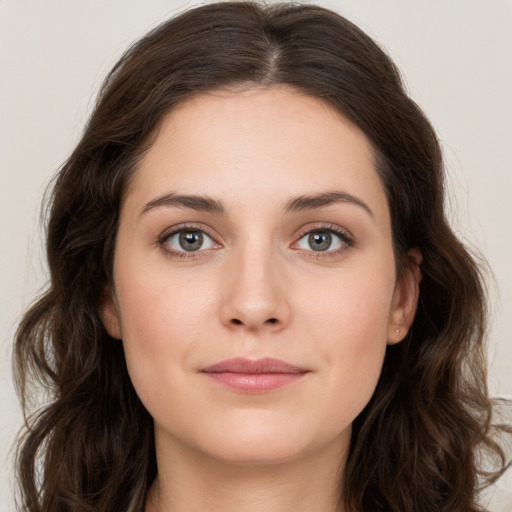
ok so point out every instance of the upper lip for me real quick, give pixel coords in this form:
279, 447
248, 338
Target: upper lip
243, 365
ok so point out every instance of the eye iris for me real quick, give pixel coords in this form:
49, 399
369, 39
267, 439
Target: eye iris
320, 241
191, 240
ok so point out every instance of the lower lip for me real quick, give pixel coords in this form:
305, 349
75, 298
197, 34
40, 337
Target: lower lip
255, 382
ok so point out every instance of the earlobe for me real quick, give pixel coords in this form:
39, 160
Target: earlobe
109, 314
405, 298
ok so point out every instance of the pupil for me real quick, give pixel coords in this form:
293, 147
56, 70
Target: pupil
320, 241
191, 240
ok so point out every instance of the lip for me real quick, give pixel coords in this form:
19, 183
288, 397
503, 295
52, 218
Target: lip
254, 376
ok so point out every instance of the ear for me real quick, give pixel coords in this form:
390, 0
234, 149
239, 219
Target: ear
109, 313
405, 298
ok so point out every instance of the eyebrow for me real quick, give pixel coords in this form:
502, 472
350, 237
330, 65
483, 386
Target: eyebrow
312, 202
295, 204
193, 202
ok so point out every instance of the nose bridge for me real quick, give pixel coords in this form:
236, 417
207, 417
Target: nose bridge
255, 297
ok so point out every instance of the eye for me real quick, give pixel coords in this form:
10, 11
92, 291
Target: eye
323, 240
188, 240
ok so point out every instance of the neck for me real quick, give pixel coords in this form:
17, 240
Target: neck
192, 482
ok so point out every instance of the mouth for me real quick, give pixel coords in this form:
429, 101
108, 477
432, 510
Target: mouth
259, 376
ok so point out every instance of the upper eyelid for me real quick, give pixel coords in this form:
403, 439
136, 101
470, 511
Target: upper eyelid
324, 226
166, 233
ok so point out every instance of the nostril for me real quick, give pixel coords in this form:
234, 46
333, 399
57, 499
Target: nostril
236, 321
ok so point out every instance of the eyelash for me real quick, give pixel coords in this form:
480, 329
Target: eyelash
342, 234
163, 240
346, 239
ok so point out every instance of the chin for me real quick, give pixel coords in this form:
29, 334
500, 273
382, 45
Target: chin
270, 444
257, 453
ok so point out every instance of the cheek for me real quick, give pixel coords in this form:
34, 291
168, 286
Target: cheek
162, 324
354, 307
349, 323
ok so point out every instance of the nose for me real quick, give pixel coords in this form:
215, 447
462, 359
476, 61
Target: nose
254, 293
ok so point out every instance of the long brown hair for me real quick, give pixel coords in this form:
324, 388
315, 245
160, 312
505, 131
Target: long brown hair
416, 445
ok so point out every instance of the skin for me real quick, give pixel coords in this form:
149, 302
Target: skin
256, 288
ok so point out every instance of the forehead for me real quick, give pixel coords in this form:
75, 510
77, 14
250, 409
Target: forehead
255, 144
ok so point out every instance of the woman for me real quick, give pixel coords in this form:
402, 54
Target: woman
256, 302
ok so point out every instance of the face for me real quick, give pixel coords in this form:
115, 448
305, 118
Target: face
254, 277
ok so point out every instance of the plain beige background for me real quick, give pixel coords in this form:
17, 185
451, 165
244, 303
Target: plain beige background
456, 58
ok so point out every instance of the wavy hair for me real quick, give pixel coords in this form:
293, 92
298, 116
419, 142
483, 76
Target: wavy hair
418, 444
